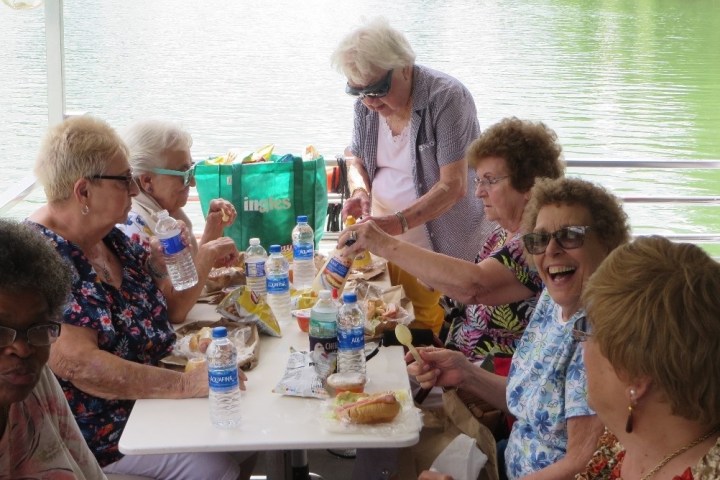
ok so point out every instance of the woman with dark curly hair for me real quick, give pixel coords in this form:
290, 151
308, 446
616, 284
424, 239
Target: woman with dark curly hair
500, 288
38, 432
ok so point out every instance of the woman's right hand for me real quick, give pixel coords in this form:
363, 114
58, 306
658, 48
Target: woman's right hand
441, 367
358, 205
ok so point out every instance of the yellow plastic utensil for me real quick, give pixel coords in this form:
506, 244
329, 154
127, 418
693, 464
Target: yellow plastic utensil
402, 333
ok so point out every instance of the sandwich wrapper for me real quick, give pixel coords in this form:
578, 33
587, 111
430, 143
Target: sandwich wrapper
374, 326
409, 420
461, 459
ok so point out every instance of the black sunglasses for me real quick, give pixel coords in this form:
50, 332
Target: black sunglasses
376, 90
567, 237
581, 332
127, 179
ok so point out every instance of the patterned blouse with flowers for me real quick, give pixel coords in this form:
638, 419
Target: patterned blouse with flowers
607, 461
132, 323
488, 329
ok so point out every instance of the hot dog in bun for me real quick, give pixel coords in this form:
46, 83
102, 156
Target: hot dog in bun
362, 408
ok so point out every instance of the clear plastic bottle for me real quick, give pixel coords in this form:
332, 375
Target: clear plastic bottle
351, 338
225, 396
303, 240
255, 258
323, 324
178, 259
278, 284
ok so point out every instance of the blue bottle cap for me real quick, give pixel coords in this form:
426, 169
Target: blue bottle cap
302, 219
274, 248
219, 332
349, 297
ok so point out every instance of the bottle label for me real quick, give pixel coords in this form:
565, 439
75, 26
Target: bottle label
303, 251
255, 269
172, 245
351, 339
223, 379
323, 344
278, 284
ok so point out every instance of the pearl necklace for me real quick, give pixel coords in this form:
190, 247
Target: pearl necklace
679, 451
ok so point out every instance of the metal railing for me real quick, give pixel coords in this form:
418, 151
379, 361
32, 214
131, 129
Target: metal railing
19, 192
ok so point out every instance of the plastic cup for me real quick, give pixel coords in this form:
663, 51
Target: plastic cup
303, 320
194, 363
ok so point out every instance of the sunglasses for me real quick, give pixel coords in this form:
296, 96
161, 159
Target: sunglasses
581, 330
38, 335
376, 90
128, 179
568, 238
188, 175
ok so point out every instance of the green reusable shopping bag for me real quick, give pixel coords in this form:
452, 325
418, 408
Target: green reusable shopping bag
268, 197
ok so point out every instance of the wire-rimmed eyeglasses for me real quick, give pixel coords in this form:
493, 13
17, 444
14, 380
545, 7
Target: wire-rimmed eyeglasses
39, 335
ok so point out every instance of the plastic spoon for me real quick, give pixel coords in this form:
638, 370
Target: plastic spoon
402, 333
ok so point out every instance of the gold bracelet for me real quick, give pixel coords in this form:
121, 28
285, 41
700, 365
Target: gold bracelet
403, 221
359, 189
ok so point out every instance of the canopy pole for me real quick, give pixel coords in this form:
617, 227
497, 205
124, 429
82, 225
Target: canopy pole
55, 52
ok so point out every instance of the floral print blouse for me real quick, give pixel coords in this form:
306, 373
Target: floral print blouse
132, 323
607, 461
497, 329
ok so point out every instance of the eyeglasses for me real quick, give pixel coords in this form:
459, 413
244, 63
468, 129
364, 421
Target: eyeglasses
188, 175
487, 182
38, 335
128, 179
376, 90
581, 330
568, 238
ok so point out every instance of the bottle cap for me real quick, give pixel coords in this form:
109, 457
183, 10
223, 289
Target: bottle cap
302, 219
324, 295
349, 220
219, 332
254, 241
274, 248
349, 297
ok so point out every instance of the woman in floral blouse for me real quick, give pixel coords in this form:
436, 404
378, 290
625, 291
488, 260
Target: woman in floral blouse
652, 353
116, 325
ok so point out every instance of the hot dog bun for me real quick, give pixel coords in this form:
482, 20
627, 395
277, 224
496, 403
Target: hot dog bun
368, 409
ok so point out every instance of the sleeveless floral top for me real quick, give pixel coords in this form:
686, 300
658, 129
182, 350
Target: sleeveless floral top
497, 329
132, 323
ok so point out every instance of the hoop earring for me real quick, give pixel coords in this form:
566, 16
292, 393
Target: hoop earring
85, 210
629, 422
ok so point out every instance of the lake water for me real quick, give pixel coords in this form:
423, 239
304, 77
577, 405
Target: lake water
616, 79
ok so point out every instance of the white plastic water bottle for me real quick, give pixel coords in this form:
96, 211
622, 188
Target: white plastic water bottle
224, 383
278, 284
351, 338
303, 240
255, 258
323, 324
178, 259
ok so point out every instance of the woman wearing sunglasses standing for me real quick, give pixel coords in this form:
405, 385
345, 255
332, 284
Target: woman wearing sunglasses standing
159, 154
409, 173
574, 225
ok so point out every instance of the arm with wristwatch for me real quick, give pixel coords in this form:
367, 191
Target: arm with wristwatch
436, 201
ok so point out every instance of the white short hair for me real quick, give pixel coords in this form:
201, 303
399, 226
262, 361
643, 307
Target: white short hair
148, 140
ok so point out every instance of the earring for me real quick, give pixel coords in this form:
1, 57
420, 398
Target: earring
85, 210
629, 423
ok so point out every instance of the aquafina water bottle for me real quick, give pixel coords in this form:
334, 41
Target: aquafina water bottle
351, 339
303, 240
178, 259
278, 284
255, 258
225, 393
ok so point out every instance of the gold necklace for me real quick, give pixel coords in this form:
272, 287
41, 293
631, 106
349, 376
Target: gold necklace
680, 450
104, 270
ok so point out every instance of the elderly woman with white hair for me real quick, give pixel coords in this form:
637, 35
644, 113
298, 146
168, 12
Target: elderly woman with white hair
162, 166
409, 172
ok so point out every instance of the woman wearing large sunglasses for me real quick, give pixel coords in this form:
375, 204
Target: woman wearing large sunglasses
39, 437
159, 154
409, 173
574, 225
